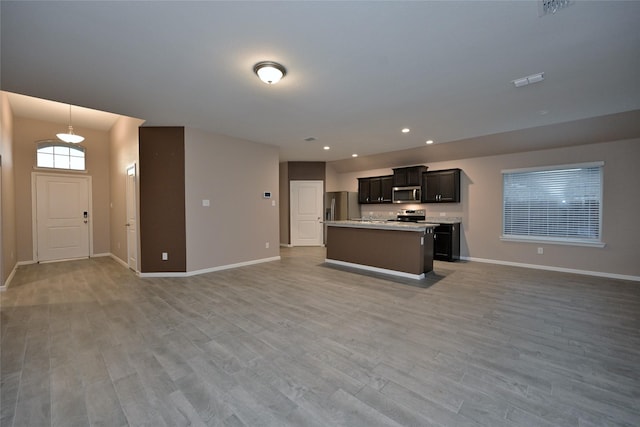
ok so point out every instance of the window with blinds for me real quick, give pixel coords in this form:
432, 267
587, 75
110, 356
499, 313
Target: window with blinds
561, 204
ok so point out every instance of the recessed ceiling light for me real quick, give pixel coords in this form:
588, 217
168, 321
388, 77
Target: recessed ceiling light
406, 130
326, 147
354, 155
429, 141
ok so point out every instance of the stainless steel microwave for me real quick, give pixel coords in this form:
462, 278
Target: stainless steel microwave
406, 194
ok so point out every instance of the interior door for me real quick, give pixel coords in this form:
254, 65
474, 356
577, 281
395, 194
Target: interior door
62, 217
306, 199
132, 222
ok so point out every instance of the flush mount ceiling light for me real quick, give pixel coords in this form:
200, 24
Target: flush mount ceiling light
269, 72
533, 78
70, 136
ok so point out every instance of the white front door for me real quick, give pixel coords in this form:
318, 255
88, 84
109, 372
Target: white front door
132, 223
62, 217
306, 199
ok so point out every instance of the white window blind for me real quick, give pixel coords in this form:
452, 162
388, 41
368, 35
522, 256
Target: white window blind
561, 204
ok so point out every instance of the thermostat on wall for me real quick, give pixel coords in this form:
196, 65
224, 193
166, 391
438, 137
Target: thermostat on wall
267, 194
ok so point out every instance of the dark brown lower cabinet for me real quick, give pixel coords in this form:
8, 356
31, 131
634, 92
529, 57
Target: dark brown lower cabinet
446, 242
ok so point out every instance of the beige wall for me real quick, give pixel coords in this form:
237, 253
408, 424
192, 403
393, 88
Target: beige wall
481, 207
8, 239
232, 174
123, 154
26, 133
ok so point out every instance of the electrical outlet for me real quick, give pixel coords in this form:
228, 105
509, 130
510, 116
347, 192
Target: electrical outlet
266, 245
165, 256
540, 251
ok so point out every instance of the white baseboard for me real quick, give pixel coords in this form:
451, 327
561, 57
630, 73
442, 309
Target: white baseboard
7, 282
552, 268
101, 255
286, 245
118, 260
375, 269
210, 270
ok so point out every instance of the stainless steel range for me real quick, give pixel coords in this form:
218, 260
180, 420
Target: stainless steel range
411, 215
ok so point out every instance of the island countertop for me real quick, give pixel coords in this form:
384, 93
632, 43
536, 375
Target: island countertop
383, 225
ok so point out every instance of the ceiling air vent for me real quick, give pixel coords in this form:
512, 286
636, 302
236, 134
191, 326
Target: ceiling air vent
549, 7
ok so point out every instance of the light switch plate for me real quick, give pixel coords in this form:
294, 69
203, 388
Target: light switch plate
205, 202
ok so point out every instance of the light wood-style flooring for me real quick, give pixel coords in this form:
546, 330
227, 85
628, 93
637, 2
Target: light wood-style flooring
298, 343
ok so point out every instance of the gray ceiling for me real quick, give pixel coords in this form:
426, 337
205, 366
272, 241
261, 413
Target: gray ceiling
358, 72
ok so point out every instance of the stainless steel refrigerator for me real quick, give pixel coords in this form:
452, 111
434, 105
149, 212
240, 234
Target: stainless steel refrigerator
340, 205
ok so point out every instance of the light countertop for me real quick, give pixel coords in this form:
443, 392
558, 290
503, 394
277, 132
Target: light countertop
383, 225
444, 219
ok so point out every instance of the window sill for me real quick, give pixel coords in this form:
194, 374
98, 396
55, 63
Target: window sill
43, 169
551, 241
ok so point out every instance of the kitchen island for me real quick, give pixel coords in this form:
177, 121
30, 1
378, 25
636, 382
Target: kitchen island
398, 248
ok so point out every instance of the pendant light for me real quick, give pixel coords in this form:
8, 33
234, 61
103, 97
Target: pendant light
70, 136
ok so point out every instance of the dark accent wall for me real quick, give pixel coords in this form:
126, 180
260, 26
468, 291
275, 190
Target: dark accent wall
162, 199
302, 171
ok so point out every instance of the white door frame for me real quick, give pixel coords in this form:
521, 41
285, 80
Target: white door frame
319, 214
34, 204
131, 209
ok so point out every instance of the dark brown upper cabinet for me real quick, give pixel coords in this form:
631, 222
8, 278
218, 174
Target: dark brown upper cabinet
376, 189
441, 186
409, 176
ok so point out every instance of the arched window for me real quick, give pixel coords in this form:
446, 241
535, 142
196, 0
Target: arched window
60, 155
